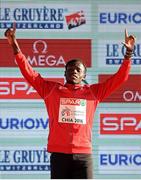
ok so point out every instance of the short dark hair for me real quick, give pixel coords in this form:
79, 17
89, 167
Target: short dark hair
73, 61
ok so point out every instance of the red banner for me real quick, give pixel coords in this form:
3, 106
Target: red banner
129, 92
47, 52
18, 88
120, 124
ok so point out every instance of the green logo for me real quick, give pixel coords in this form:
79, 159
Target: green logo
83, 103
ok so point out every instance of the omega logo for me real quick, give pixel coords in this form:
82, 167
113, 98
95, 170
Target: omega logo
35, 46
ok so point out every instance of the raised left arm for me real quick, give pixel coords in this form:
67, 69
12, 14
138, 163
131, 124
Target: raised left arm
103, 90
129, 44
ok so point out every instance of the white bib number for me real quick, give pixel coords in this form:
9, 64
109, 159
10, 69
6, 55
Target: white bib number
72, 110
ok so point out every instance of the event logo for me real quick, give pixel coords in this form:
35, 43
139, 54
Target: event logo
28, 123
132, 96
129, 92
44, 17
48, 53
119, 160
23, 123
75, 19
119, 18
119, 124
71, 101
112, 19
113, 53
23, 159
18, 88
41, 58
32, 18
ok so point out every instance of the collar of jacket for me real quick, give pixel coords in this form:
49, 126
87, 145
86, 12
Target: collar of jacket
74, 86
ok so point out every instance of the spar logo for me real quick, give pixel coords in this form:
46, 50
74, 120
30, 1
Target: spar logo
120, 124
18, 88
76, 19
70, 101
128, 92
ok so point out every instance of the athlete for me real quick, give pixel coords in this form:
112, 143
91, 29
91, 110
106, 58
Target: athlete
71, 107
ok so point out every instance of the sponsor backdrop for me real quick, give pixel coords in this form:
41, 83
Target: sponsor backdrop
50, 33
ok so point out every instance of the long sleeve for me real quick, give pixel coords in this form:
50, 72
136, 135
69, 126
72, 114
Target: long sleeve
103, 90
34, 78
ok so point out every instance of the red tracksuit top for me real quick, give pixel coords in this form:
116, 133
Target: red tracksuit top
71, 107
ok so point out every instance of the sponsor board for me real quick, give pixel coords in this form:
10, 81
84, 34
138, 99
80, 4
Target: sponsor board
113, 54
24, 122
119, 160
24, 159
112, 18
76, 19
18, 88
47, 52
120, 124
46, 17
129, 92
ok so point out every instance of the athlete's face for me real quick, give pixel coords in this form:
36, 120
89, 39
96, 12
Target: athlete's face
75, 73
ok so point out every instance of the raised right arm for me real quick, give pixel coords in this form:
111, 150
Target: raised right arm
33, 77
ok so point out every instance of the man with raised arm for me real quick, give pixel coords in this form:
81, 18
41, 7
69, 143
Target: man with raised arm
71, 107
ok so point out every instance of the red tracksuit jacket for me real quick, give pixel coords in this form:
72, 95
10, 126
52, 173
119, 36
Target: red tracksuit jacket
71, 107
